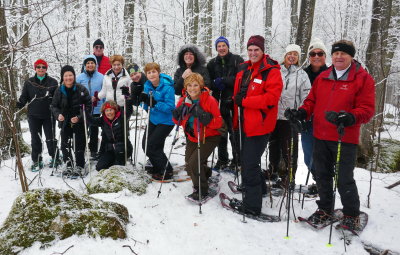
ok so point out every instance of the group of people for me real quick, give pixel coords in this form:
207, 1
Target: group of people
251, 103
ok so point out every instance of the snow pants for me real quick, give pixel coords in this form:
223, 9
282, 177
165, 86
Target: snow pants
69, 144
111, 158
253, 180
324, 161
155, 147
279, 148
35, 126
94, 136
191, 161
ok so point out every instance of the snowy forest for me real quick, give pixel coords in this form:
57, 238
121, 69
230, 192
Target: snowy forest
62, 32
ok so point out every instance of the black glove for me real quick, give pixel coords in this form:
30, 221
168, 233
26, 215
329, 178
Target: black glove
136, 89
203, 116
238, 99
340, 118
125, 91
19, 105
294, 115
146, 99
180, 112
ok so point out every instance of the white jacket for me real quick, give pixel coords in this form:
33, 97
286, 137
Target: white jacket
296, 86
107, 90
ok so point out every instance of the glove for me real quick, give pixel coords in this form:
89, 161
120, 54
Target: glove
219, 83
19, 105
180, 112
125, 91
294, 115
203, 116
97, 99
136, 89
146, 99
340, 118
238, 99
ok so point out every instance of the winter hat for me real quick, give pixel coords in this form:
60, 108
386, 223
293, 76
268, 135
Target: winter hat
98, 42
256, 40
108, 105
221, 39
134, 68
90, 58
345, 47
64, 69
40, 62
316, 43
293, 47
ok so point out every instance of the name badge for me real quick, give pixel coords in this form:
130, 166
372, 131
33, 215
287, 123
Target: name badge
257, 81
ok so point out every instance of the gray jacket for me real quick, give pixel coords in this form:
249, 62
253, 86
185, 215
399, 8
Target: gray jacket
296, 86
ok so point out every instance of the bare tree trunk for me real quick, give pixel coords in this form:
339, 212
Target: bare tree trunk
208, 28
164, 38
294, 20
88, 26
193, 8
242, 30
268, 24
306, 19
224, 17
129, 22
25, 39
142, 41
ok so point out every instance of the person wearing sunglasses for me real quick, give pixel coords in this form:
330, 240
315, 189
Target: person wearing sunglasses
37, 92
103, 62
317, 58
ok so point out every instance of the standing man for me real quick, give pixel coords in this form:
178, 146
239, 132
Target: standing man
103, 62
38, 92
317, 58
258, 86
223, 69
342, 97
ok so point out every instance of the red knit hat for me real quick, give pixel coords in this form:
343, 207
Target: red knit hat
107, 105
256, 40
40, 62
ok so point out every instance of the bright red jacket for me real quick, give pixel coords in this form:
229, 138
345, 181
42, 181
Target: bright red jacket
104, 65
354, 93
209, 104
260, 106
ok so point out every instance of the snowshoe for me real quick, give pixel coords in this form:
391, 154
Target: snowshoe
215, 179
194, 197
236, 206
37, 166
320, 219
354, 225
161, 178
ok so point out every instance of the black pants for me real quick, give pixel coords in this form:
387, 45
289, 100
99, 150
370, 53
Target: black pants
191, 161
94, 136
155, 147
67, 144
279, 148
253, 180
223, 155
35, 126
324, 155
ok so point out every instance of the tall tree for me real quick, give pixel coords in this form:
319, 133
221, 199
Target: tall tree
208, 25
294, 20
193, 17
268, 24
129, 26
306, 19
383, 41
224, 16
242, 29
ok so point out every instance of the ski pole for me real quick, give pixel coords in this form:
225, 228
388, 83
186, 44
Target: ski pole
140, 132
236, 150
340, 130
198, 160
147, 130
136, 127
57, 150
86, 138
241, 174
213, 153
172, 146
290, 179
125, 133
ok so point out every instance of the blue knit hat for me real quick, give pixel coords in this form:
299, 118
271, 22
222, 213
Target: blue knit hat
221, 39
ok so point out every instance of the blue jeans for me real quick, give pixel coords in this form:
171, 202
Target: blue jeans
307, 141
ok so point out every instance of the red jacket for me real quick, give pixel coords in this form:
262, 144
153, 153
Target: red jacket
104, 65
354, 93
209, 104
260, 105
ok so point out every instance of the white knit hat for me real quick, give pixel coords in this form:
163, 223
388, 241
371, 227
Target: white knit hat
317, 43
293, 47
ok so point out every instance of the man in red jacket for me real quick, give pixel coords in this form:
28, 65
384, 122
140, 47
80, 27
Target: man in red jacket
343, 96
257, 89
103, 62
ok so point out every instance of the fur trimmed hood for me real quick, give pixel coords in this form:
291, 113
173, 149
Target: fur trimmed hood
200, 59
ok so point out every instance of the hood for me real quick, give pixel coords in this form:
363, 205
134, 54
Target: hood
200, 59
165, 80
86, 57
355, 68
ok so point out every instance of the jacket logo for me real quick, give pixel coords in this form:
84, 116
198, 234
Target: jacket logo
344, 87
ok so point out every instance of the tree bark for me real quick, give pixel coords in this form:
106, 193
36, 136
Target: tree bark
208, 25
304, 30
129, 26
242, 30
268, 24
224, 16
294, 20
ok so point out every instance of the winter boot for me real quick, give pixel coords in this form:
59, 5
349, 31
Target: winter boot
195, 195
37, 166
351, 223
220, 165
159, 177
279, 184
238, 205
55, 162
312, 190
319, 217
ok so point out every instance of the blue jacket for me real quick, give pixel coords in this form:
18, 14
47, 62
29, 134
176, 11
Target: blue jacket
164, 94
92, 82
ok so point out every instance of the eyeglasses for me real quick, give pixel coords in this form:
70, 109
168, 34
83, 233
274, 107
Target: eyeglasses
313, 54
98, 47
41, 67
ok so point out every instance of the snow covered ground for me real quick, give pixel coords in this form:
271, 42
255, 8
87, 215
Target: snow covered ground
172, 225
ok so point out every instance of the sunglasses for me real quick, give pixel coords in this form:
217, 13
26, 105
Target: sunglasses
41, 67
313, 54
98, 47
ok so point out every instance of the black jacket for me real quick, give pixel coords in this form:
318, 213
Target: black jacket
226, 68
312, 75
70, 105
41, 92
197, 67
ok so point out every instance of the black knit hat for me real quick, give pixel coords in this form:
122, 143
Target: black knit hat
98, 42
345, 47
134, 68
64, 69
89, 59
